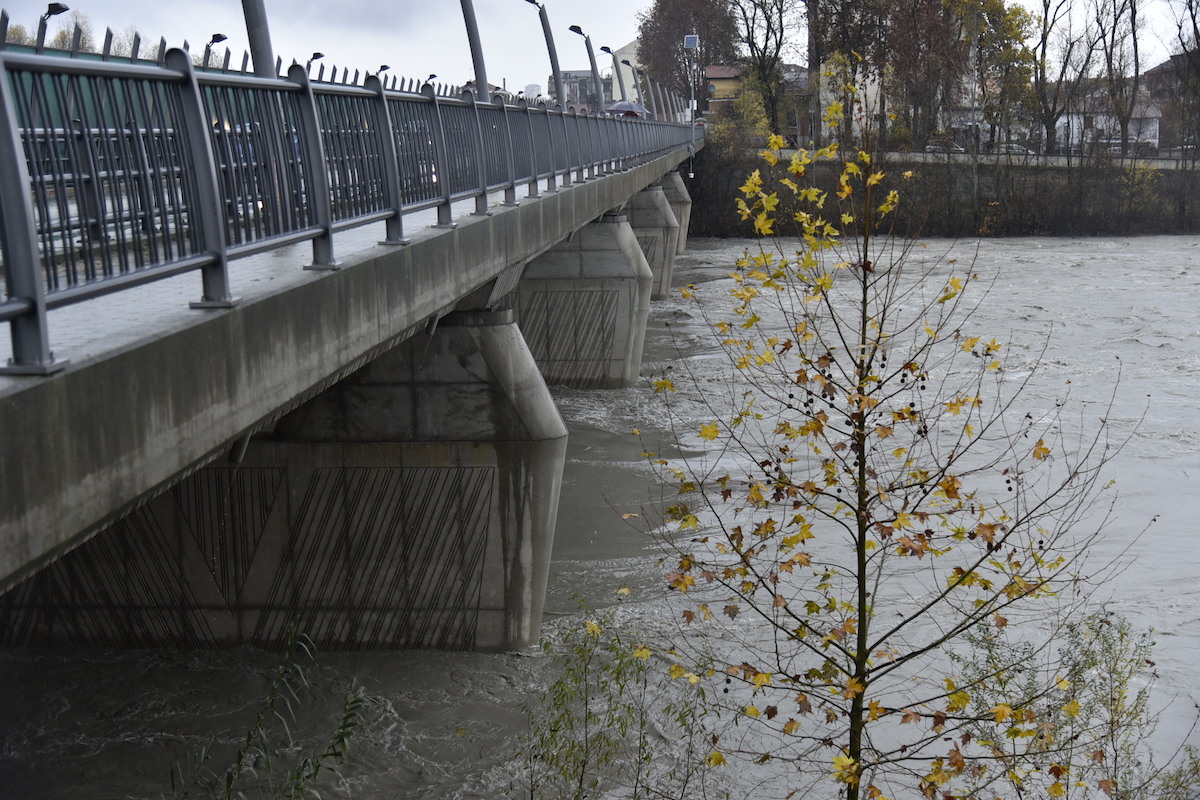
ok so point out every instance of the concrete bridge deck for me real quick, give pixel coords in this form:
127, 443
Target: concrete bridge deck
155, 390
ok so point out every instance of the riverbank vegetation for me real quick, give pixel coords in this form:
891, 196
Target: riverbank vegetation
961, 198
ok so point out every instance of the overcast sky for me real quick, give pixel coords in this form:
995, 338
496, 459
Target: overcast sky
414, 37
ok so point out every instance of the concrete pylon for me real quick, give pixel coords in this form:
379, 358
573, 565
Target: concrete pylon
681, 203
583, 304
411, 505
657, 230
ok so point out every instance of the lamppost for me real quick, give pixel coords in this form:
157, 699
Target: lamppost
597, 86
691, 43
560, 92
616, 70
258, 30
483, 90
52, 10
217, 38
314, 57
637, 80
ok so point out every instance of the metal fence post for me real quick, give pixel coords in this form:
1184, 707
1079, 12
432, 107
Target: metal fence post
510, 190
316, 175
208, 216
445, 218
22, 264
535, 184
391, 163
87, 195
481, 199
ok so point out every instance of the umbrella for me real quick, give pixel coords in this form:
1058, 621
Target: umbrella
628, 108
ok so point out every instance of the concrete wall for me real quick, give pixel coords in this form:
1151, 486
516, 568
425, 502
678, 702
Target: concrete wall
410, 505
583, 305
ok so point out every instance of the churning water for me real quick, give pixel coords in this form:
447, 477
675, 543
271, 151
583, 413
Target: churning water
98, 724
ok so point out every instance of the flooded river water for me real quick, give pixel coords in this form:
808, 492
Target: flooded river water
98, 724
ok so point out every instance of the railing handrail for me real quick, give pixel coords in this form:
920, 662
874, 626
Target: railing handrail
128, 173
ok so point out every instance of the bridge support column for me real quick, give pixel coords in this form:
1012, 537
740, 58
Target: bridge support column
583, 304
411, 505
681, 203
657, 232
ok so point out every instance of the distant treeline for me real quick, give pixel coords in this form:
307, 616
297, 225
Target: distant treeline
958, 199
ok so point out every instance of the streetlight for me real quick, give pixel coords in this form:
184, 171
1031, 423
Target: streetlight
217, 38
316, 56
637, 80
482, 88
616, 69
598, 87
560, 92
52, 10
691, 43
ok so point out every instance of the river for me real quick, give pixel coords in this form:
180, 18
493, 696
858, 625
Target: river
99, 724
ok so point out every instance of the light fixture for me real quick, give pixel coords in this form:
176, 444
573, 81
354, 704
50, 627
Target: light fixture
217, 38
576, 29
384, 68
53, 10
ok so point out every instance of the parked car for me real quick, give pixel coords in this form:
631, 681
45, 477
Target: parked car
943, 146
1013, 149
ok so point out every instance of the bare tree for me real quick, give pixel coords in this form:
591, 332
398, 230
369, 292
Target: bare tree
1118, 26
18, 34
76, 25
1061, 58
765, 27
660, 41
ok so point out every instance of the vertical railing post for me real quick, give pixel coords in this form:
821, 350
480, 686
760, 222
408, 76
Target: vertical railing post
87, 185
566, 145
141, 178
393, 195
535, 184
510, 189
316, 175
22, 265
445, 218
209, 214
481, 199
580, 168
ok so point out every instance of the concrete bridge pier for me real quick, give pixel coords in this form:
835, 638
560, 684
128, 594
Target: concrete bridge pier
681, 203
583, 305
657, 232
411, 505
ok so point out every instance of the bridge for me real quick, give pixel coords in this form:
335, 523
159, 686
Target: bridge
279, 348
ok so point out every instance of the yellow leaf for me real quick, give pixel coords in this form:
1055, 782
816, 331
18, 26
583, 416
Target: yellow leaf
677, 671
663, 385
623, 589
845, 769
761, 679
709, 431
592, 628
1040, 451
1057, 789
1072, 708
1001, 712
751, 711
715, 759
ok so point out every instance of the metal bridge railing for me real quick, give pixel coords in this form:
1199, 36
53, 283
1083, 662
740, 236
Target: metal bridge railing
121, 174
